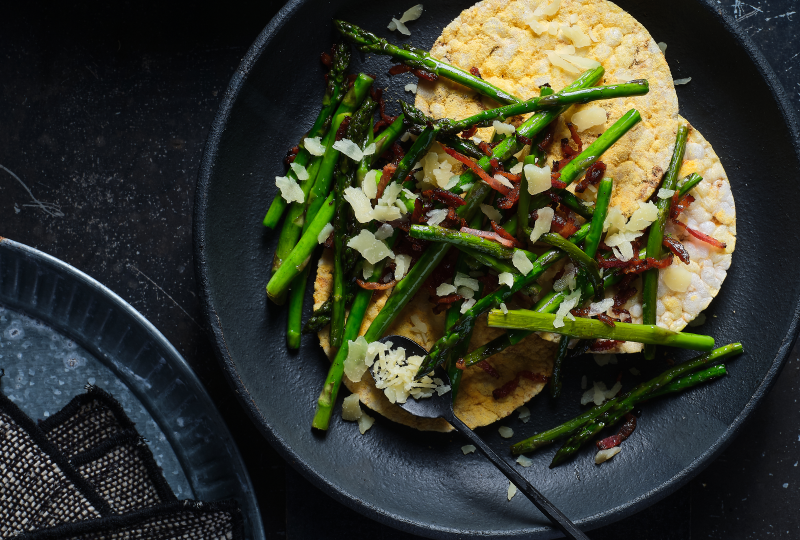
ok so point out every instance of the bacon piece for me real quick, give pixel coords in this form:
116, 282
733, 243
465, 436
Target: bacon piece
547, 140
416, 215
486, 148
475, 72
291, 154
469, 133
701, 236
326, 59
489, 236
523, 140
375, 286
512, 177
505, 203
504, 234
453, 219
636, 266
678, 206
450, 199
512, 385
605, 319
350, 80
564, 223
535, 377
329, 241
593, 176
386, 176
444, 272
449, 299
677, 248
555, 182
624, 432
601, 345
487, 367
497, 186
418, 73
343, 128
460, 364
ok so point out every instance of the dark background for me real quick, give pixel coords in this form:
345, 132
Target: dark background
104, 111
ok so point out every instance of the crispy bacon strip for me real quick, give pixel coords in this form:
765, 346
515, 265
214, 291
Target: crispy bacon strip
701, 236
636, 266
386, 176
469, 133
449, 299
291, 155
593, 176
512, 177
505, 234
676, 247
418, 73
375, 286
487, 367
489, 236
678, 206
416, 216
343, 128
564, 223
600, 345
460, 364
512, 385
624, 432
326, 59
554, 180
453, 219
606, 319
450, 199
505, 203
474, 71
497, 186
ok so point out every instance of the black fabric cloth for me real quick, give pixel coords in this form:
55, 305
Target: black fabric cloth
182, 520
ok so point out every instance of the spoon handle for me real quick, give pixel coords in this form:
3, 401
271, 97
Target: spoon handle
548, 509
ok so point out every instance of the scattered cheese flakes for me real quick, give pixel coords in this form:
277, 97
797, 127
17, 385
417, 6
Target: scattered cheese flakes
384, 232
467, 305
517, 169
407, 135
402, 262
678, 82
314, 146
598, 393
299, 171
370, 149
418, 327
576, 36
605, 359
351, 410
411, 87
463, 280
468, 449
568, 280
569, 302
505, 432
367, 269
503, 180
412, 13
558, 61
370, 184
359, 201
664, 193
467, 293
349, 148
538, 178
662, 46
386, 213
524, 414
549, 9
324, 233
544, 218
580, 62
521, 262
354, 365
503, 308
573, 18
435, 217
492, 213
512, 490
677, 278
539, 27
604, 455
445, 289
602, 306
365, 422
290, 189
524, 461
502, 128
589, 117
646, 214
370, 248
390, 194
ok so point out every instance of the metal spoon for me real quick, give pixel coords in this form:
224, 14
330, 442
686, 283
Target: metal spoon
442, 407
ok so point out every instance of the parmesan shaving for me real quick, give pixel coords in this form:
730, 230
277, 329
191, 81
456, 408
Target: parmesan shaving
465, 292
467, 305
354, 365
505, 432
524, 461
604, 455
435, 217
299, 171
503, 308
351, 410
369, 247
349, 148
521, 262
463, 280
314, 146
503, 180
365, 422
544, 218
548, 10
558, 61
359, 201
367, 270
503, 129
677, 278
411, 87
580, 62
678, 82
512, 490
492, 213
569, 302
576, 36
370, 184
589, 117
370, 149
664, 193
662, 46
524, 414
468, 449
402, 264
505, 279
538, 178
324, 233
384, 232
290, 189
445, 289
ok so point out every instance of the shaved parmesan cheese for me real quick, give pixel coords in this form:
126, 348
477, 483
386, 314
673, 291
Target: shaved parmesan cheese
370, 248
565, 49
411, 87
362, 208
604, 455
467, 305
517, 169
576, 36
539, 27
678, 82
506, 432
503, 180
646, 214
568, 280
589, 117
558, 61
402, 262
365, 422
468, 449
354, 365
505, 279
602, 306
512, 490
544, 218
538, 178
351, 410
417, 326
386, 213
605, 359
445, 289
463, 280
548, 10
492, 213
412, 14
503, 129
400, 27
664, 193
324, 233
370, 184
290, 189
503, 308
436, 216
569, 302
299, 171
662, 46
524, 461
677, 278
349, 148
390, 194
370, 149
521, 262
465, 292
599, 394
615, 220
580, 62
367, 270
314, 146
524, 414
573, 18
394, 374
384, 232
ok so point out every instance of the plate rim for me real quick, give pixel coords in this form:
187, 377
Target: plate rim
364, 507
160, 342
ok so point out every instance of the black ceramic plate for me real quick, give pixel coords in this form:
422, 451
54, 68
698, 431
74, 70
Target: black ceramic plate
421, 482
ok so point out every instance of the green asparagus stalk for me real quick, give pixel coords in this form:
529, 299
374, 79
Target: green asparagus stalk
333, 381
485, 118
433, 256
600, 211
688, 184
589, 266
462, 146
523, 319
294, 319
334, 93
435, 233
594, 151
421, 59
524, 202
646, 390
616, 412
656, 236
382, 143
714, 372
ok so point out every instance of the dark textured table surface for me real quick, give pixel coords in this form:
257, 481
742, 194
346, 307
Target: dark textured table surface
104, 111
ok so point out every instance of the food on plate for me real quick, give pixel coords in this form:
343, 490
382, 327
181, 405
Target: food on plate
542, 198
